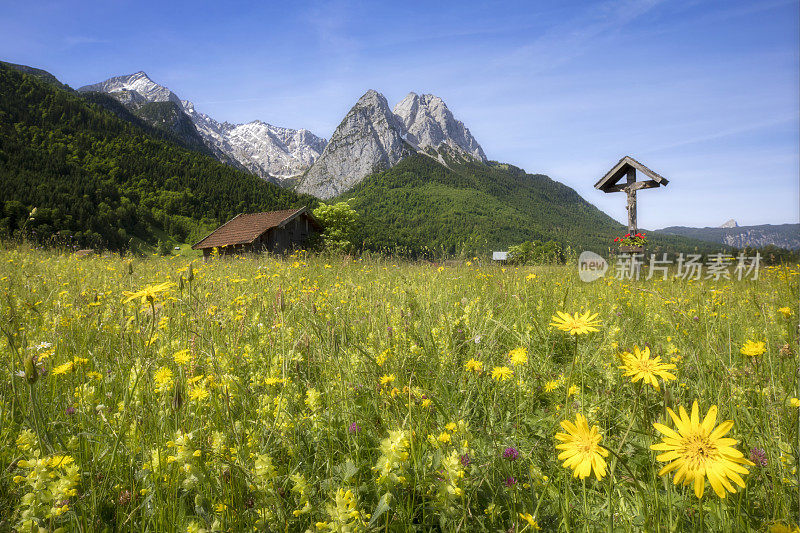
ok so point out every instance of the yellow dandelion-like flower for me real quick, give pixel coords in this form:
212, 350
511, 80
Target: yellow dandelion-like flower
147, 294
753, 348
182, 357
578, 324
199, 393
63, 369
552, 385
501, 373
387, 378
163, 377
698, 450
474, 365
786, 312
581, 448
794, 402
443, 437
518, 356
639, 366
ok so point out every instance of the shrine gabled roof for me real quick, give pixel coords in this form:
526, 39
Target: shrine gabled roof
620, 170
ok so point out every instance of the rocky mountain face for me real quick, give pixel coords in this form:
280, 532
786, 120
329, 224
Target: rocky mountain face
430, 124
373, 137
369, 139
730, 224
271, 152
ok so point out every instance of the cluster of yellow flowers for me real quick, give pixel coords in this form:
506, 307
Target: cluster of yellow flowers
697, 450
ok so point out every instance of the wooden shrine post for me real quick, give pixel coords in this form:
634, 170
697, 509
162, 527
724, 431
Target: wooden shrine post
627, 167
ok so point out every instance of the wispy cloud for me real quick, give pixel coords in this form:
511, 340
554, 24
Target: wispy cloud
766, 124
577, 35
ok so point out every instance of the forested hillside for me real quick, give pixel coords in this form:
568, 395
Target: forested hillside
420, 205
98, 180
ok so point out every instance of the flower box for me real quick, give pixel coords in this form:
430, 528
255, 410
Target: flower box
631, 249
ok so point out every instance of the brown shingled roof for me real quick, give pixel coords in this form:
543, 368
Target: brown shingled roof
247, 227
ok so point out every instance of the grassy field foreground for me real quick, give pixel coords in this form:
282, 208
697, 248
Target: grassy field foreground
331, 394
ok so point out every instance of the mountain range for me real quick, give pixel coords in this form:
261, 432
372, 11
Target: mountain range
732, 234
270, 152
371, 137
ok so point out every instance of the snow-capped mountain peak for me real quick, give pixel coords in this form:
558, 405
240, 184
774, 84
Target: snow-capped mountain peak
139, 83
272, 152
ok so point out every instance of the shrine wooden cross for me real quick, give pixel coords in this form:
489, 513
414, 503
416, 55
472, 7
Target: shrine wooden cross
627, 167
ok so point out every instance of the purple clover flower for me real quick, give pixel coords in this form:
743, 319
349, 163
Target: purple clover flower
758, 456
70, 410
353, 428
511, 453
465, 460
510, 481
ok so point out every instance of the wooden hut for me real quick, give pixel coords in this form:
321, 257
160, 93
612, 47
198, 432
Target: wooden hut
273, 231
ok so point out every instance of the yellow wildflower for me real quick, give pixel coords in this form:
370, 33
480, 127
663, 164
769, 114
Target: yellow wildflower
531, 522
474, 366
163, 378
639, 366
147, 294
518, 356
182, 357
698, 450
753, 348
63, 369
581, 448
501, 373
577, 324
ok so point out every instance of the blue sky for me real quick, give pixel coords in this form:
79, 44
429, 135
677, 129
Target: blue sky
703, 92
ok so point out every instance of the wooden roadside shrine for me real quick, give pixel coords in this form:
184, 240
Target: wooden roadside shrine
627, 167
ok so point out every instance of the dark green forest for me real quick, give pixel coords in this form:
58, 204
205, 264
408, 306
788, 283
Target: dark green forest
97, 180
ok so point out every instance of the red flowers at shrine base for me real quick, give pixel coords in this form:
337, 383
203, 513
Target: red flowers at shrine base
630, 239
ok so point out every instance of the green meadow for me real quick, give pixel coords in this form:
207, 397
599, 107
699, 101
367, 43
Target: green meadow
313, 393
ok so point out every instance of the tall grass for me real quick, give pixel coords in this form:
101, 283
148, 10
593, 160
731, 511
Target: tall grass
329, 393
